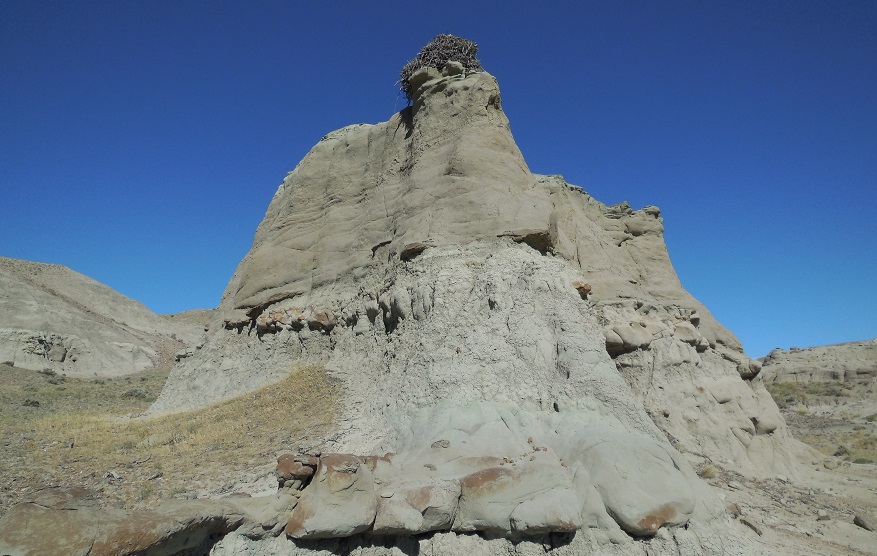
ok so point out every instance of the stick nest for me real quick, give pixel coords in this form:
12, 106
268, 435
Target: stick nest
438, 52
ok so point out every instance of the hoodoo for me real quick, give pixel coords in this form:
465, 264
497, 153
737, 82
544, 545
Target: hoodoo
519, 362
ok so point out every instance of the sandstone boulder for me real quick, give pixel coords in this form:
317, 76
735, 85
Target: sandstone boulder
639, 482
339, 502
588, 475
418, 508
533, 496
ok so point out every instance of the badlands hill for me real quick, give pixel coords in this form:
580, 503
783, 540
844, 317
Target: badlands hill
515, 369
54, 318
841, 376
852, 363
515, 358
829, 394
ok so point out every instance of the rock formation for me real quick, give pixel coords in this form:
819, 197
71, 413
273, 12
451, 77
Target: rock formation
851, 362
54, 318
518, 359
838, 381
68, 521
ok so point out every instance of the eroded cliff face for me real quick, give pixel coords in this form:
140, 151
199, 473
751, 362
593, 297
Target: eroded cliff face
836, 381
483, 320
442, 173
854, 363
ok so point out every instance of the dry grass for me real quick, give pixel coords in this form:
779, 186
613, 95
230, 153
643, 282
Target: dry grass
80, 432
708, 471
436, 54
838, 433
790, 394
194, 317
856, 446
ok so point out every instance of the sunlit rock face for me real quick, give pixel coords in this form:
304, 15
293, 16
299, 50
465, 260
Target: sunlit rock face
517, 359
443, 173
852, 363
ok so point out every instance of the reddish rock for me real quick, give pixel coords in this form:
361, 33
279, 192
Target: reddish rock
68, 521
411, 250
322, 318
290, 467
339, 502
583, 288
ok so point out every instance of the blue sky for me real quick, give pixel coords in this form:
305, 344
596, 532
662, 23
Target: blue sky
141, 142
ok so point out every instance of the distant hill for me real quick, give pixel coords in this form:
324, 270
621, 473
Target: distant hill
851, 362
52, 317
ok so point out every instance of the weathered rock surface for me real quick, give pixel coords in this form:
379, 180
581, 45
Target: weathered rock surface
339, 502
52, 317
851, 362
423, 177
487, 478
865, 522
66, 521
518, 359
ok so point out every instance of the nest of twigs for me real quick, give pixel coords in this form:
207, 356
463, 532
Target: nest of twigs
436, 54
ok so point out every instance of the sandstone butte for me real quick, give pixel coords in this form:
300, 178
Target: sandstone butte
521, 369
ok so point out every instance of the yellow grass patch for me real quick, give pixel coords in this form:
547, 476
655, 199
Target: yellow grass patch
63, 442
856, 446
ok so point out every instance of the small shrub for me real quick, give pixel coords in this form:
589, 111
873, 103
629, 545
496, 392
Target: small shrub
438, 52
708, 471
146, 491
31, 403
137, 393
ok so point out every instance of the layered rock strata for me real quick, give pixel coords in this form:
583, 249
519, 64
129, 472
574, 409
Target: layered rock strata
54, 318
851, 362
487, 388
835, 380
572, 473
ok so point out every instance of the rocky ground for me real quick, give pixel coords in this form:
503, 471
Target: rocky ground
81, 435
817, 510
827, 396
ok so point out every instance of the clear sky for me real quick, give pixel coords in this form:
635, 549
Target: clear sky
141, 141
